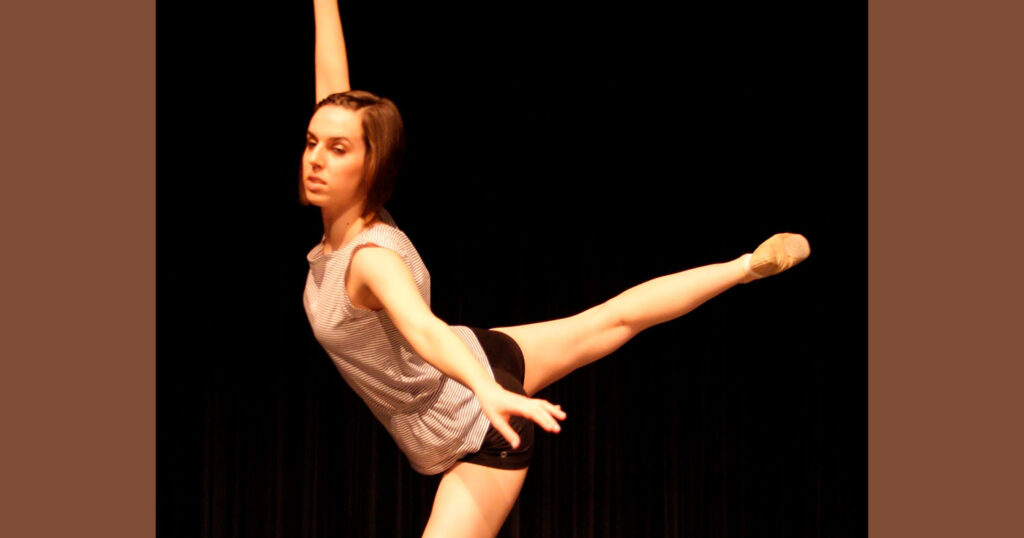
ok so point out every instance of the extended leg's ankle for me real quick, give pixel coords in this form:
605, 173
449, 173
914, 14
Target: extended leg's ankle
745, 271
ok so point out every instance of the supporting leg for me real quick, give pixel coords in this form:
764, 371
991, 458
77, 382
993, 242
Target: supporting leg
473, 501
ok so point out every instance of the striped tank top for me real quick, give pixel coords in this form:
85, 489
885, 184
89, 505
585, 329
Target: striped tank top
434, 419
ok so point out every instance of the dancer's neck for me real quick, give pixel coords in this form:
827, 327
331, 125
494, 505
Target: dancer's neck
340, 228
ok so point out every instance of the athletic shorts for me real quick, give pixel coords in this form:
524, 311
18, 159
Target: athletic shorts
509, 368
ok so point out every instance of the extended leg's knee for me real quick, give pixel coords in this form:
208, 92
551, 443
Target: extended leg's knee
608, 327
619, 320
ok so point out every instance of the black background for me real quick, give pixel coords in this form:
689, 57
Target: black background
557, 155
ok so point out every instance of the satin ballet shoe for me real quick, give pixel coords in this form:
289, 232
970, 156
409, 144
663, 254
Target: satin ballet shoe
778, 253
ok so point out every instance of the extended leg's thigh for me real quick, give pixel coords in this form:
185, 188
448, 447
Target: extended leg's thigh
473, 501
553, 349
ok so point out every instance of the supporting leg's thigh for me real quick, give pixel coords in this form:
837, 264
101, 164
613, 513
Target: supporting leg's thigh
473, 501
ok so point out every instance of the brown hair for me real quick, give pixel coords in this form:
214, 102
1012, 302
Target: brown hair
384, 137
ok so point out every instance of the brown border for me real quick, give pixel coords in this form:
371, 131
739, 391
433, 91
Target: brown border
79, 258
945, 369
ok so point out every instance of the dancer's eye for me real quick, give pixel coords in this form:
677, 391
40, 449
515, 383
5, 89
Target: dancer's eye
339, 150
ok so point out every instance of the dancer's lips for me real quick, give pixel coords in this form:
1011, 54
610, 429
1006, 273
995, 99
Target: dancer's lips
314, 183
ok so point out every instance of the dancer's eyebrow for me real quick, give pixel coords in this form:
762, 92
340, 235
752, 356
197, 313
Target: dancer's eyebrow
309, 134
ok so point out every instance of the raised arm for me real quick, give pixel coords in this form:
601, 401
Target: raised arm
382, 274
330, 55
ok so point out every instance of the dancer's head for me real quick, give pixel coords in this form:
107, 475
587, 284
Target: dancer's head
354, 147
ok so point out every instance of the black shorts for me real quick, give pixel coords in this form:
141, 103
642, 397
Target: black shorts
506, 360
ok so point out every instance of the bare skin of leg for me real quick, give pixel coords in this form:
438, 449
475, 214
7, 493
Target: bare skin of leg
473, 501
553, 349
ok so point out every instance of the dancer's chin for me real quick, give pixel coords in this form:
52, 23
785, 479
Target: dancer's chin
315, 198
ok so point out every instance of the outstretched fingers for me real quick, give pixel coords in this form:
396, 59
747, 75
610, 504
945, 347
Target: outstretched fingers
544, 413
555, 410
501, 405
547, 414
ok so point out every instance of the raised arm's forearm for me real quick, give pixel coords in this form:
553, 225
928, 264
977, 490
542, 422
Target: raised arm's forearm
438, 345
331, 57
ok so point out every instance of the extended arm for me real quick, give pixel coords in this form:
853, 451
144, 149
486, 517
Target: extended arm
330, 55
383, 274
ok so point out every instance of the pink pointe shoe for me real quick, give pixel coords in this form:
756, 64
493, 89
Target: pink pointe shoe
780, 252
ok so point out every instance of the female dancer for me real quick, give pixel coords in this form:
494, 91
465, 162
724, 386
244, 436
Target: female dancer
456, 399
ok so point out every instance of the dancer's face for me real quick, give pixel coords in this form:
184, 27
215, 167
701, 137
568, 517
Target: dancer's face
332, 165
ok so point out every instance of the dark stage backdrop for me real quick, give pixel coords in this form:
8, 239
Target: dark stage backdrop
558, 154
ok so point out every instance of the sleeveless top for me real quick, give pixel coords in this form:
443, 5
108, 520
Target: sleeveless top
434, 419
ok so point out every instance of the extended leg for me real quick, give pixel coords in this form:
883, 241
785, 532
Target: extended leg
473, 501
552, 349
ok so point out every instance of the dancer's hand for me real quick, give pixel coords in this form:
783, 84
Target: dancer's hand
499, 405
